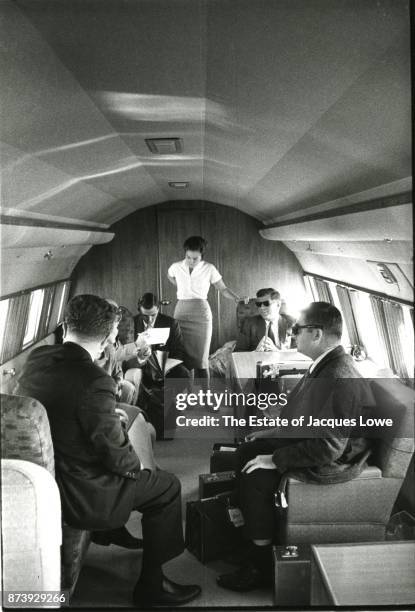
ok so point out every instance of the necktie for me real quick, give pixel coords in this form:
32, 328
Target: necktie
148, 324
271, 334
267, 324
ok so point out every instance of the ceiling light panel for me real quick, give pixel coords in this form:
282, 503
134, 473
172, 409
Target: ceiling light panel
165, 146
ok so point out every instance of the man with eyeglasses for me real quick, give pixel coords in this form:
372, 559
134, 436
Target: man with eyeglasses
331, 388
268, 330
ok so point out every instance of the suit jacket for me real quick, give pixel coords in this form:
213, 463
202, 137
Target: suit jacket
108, 361
333, 390
174, 344
253, 330
96, 466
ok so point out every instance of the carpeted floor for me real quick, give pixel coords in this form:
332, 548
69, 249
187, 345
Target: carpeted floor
109, 573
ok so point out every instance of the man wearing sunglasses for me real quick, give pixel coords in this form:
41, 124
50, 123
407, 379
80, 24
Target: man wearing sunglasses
268, 330
331, 388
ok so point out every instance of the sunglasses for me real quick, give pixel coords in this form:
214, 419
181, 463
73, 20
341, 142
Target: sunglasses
296, 328
265, 303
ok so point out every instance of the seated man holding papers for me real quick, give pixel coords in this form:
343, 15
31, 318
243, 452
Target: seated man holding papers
160, 354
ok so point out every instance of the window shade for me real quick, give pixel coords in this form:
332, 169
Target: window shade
15, 326
347, 311
323, 291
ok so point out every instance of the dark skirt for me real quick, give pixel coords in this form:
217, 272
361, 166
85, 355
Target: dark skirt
195, 319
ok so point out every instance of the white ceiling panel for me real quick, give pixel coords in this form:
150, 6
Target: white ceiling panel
394, 223
282, 105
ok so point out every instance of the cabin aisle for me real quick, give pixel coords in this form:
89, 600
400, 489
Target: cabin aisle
109, 573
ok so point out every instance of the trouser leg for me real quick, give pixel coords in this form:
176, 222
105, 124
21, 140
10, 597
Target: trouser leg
175, 381
256, 492
127, 392
158, 497
134, 376
141, 435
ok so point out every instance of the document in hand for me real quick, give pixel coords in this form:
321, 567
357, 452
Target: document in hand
166, 363
156, 335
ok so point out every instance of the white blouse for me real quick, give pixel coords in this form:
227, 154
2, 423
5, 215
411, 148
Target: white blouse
195, 285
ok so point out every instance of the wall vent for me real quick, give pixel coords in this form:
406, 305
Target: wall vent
179, 184
165, 146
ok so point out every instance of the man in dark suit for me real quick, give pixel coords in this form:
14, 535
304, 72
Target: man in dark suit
100, 476
331, 388
268, 330
152, 387
149, 316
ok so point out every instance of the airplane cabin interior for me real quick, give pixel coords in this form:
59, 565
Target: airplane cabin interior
280, 132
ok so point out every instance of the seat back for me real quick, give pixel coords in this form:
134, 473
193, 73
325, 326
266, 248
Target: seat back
394, 400
25, 435
25, 431
245, 310
31, 528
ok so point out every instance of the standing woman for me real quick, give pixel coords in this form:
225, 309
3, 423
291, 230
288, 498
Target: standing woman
193, 276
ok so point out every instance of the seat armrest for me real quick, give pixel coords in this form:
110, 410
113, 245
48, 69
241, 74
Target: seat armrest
31, 527
369, 472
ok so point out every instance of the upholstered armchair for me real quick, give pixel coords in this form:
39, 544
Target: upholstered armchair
358, 510
25, 435
31, 528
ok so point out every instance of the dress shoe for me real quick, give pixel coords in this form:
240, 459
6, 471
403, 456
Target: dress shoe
119, 537
168, 596
246, 578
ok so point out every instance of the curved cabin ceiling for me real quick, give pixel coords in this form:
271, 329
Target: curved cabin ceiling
284, 107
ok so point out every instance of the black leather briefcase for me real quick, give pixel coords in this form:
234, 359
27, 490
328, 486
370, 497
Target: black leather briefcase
223, 457
213, 484
292, 571
209, 532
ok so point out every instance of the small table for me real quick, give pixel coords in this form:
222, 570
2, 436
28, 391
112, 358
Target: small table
369, 574
243, 365
243, 372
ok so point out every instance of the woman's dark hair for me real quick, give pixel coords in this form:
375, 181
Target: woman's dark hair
195, 243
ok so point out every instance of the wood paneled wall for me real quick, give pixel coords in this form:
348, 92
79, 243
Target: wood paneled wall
135, 261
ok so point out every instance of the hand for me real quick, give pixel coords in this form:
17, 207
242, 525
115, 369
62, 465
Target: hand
260, 346
269, 345
261, 462
143, 354
122, 414
266, 344
143, 348
244, 299
118, 392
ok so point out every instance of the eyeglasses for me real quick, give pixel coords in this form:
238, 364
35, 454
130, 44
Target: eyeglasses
265, 303
296, 328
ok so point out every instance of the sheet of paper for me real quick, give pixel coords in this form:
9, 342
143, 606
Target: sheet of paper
155, 335
171, 363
